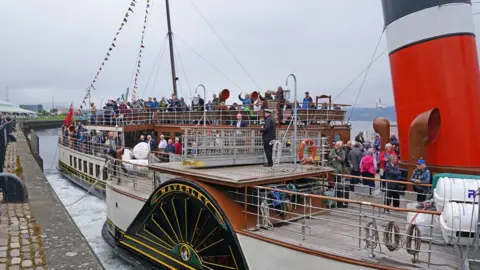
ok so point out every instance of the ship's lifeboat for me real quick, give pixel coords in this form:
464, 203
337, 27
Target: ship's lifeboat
307, 158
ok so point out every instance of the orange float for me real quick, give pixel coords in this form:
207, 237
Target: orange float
301, 151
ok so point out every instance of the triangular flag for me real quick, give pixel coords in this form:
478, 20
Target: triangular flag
138, 65
122, 24
94, 80
132, 4
145, 21
125, 20
103, 63
130, 9
81, 107
142, 45
115, 39
148, 5
148, 1
118, 32
146, 11
126, 14
113, 44
119, 29
108, 54
110, 49
100, 68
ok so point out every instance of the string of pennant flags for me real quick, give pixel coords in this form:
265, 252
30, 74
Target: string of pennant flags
109, 52
139, 62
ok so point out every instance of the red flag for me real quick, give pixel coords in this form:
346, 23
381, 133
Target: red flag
68, 119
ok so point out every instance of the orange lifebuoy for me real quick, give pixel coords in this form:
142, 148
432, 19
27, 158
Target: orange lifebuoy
301, 149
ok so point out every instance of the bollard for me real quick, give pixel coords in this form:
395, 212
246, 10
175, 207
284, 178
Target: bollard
13, 188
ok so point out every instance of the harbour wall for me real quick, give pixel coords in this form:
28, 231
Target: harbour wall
65, 246
41, 124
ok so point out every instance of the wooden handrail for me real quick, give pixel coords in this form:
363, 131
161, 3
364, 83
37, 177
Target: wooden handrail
352, 201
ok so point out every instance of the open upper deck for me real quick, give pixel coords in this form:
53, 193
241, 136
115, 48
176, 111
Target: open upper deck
321, 114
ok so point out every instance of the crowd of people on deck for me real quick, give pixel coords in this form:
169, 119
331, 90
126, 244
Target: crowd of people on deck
362, 159
114, 109
77, 137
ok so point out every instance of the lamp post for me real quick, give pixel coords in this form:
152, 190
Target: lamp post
294, 144
204, 104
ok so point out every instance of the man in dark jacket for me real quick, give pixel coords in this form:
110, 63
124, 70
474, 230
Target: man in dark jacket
354, 158
268, 134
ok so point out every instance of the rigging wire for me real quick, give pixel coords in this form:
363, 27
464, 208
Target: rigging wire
358, 76
366, 74
183, 69
208, 62
139, 53
157, 63
224, 44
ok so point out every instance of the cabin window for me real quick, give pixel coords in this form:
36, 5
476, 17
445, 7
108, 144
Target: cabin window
75, 162
97, 171
177, 134
165, 134
79, 164
85, 166
71, 162
90, 167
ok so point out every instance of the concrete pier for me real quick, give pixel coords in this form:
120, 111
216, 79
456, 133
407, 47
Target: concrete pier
59, 242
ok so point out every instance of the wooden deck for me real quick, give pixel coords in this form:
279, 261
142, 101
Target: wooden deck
241, 175
338, 234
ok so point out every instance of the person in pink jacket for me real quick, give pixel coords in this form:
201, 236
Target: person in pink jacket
368, 168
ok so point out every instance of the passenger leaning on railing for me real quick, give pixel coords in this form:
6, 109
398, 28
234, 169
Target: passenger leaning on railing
421, 175
392, 172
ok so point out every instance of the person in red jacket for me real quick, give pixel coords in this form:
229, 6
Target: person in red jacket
178, 146
383, 159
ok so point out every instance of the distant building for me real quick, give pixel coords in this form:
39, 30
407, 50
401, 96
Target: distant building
34, 108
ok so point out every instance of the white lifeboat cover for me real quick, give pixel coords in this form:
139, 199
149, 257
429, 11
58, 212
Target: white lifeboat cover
454, 189
130, 164
456, 219
141, 150
127, 154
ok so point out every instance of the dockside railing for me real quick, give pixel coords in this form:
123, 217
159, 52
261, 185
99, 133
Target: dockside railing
5, 130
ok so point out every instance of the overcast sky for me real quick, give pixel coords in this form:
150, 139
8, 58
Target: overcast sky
53, 48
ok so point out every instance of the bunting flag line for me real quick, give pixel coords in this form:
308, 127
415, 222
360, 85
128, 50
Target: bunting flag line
137, 73
110, 50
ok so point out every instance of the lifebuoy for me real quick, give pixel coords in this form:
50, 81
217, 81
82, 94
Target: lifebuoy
307, 159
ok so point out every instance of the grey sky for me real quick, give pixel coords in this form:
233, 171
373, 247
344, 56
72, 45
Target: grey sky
54, 48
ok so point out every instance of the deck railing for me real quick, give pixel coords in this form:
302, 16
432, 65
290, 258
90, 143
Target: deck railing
364, 225
219, 115
246, 145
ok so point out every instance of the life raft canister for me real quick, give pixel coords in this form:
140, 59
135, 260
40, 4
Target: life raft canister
301, 151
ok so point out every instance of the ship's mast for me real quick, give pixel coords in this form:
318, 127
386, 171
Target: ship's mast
170, 41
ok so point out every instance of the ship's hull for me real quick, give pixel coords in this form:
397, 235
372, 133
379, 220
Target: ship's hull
154, 229
82, 170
